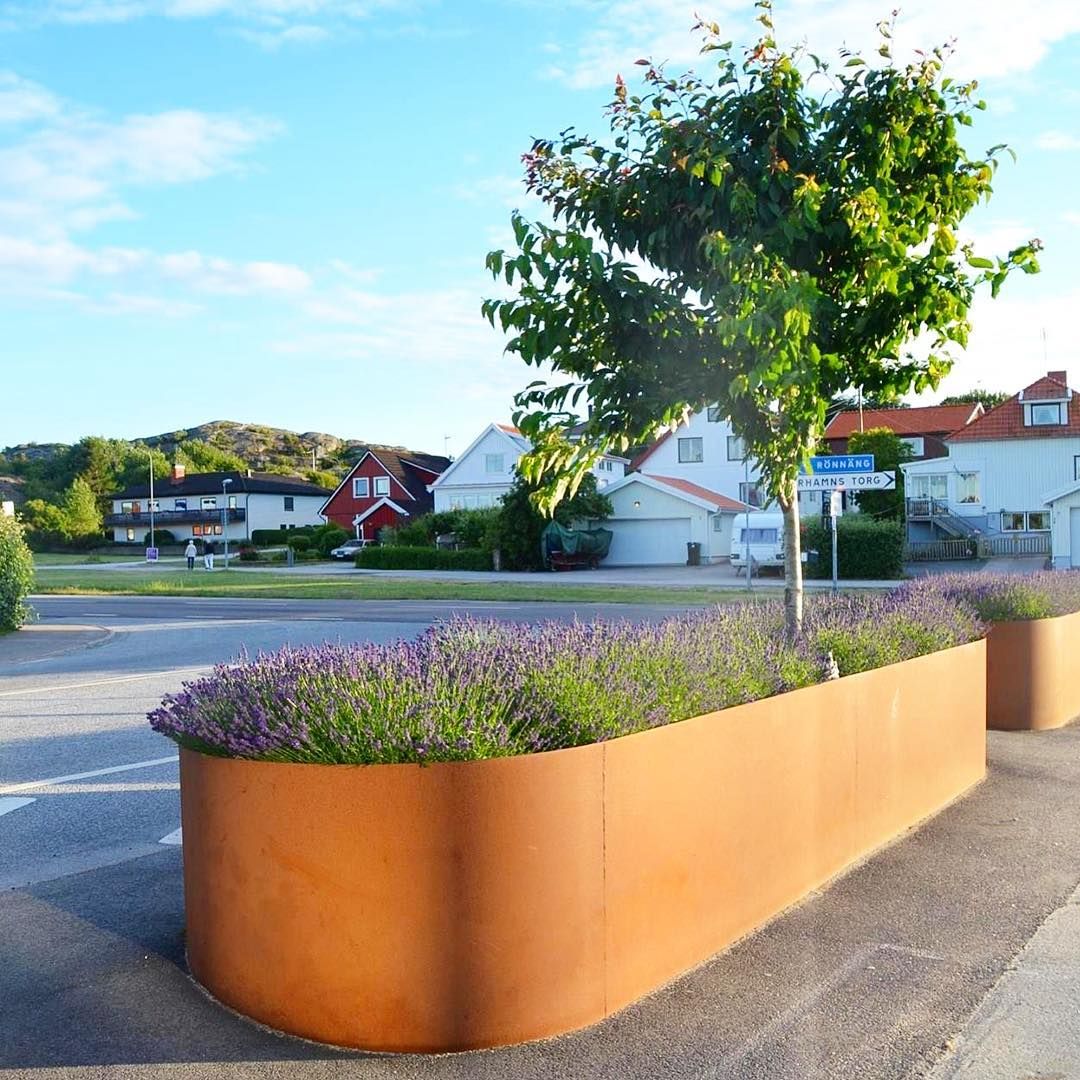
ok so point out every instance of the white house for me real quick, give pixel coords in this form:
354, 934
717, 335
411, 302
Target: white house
705, 451
205, 505
656, 517
484, 473
1010, 477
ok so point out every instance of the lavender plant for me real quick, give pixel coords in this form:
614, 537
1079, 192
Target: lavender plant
468, 690
1005, 597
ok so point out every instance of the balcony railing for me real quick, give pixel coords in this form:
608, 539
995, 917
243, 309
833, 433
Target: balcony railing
925, 509
175, 517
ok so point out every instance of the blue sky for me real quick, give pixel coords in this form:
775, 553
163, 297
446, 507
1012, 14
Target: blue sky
277, 211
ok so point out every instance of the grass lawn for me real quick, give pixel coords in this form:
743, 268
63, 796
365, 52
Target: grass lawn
275, 587
49, 558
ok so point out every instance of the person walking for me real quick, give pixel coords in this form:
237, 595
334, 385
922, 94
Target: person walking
208, 555
189, 553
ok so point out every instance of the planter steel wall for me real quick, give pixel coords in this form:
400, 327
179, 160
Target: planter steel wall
475, 904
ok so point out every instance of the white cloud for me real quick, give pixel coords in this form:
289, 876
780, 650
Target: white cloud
272, 40
22, 100
1057, 140
993, 37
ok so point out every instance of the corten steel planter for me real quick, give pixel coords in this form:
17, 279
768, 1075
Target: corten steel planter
475, 904
1031, 674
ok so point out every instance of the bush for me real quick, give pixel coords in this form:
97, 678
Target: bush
249, 554
161, 538
272, 537
866, 548
16, 574
329, 537
413, 534
469, 690
1008, 597
393, 557
298, 542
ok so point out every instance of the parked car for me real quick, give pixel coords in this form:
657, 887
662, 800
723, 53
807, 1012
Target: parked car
760, 534
349, 549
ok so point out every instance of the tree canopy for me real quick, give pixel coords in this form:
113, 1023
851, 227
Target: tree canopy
755, 239
988, 399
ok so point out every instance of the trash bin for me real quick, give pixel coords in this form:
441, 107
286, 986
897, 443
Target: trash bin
693, 553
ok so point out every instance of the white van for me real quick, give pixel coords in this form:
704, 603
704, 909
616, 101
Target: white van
763, 533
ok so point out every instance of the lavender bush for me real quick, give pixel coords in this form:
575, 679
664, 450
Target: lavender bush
468, 690
1006, 597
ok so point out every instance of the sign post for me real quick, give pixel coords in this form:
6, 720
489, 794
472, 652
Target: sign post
836, 508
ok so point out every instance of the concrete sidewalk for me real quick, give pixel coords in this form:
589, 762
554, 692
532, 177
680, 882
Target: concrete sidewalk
44, 641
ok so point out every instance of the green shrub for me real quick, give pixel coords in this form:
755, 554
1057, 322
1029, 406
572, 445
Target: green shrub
298, 542
866, 548
16, 574
395, 557
249, 554
272, 537
329, 537
413, 534
161, 538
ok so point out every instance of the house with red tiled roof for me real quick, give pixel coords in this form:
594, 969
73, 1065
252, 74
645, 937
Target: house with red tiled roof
485, 472
1009, 479
655, 518
923, 428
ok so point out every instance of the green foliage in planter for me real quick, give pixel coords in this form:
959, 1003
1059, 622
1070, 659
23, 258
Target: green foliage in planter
866, 548
16, 574
395, 557
1010, 597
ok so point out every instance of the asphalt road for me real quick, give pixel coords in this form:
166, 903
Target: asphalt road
869, 979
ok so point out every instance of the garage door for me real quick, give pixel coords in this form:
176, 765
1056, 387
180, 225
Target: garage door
1074, 537
652, 542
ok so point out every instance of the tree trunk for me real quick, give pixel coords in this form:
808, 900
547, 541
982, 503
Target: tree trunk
793, 571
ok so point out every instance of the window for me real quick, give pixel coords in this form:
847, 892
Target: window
208, 502
217, 530
1012, 522
967, 488
493, 463
288, 499
759, 536
1039, 521
382, 485
154, 504
1032, 521
690, 450
125, 506
360, 487
752, 494
1042, 414
736, 451
714, 415
928, 486
1076, 467
131, 534
916, 444
232, 502
196, 530
180, 504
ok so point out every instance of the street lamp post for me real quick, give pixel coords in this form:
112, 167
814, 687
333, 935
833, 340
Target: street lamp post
225, 517
151, 453
746, 536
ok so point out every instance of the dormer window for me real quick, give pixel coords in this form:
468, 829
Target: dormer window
1045, 413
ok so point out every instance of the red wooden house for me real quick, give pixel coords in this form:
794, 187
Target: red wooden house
385, 488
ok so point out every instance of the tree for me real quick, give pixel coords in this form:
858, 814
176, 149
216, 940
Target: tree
81, 512
201, 457
517, 528
889, 451
745, 242
16, 574
988, 399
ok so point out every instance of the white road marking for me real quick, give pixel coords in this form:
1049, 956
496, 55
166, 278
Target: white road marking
105, 682
52, 780
7, 805
175, 837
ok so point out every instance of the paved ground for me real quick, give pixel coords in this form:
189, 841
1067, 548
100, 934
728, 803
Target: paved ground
872, 978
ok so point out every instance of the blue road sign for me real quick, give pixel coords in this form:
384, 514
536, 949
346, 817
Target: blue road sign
841, 463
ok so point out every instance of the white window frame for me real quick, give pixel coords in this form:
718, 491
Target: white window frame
739, 445
748, 492
495, 463
1076, 466
381, 486
688, 441
208, 502
180, 504
1022, 527
1034, 528
921, 486
976, 498
130, 534
361, 487
713, 415
288, 503
1060, 406
915, 443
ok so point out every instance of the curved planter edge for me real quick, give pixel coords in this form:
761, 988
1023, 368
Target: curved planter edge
476, 904
1030, 681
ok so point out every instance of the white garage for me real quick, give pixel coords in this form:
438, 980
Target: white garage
1065, 527
657, 516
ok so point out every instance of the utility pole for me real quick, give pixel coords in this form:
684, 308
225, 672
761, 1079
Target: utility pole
746, 531
151, 453
225, 517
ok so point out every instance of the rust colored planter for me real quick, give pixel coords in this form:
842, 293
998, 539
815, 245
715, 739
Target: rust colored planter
1031, 677
475, 904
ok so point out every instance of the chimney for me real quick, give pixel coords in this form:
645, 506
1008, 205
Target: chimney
178, 472
1059, 376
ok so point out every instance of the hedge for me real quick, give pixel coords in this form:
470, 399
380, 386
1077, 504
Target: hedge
867, 548
270, 537
16, 574
397, 557
162, 537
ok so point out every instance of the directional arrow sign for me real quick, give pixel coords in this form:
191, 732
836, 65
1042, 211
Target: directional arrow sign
855, 482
